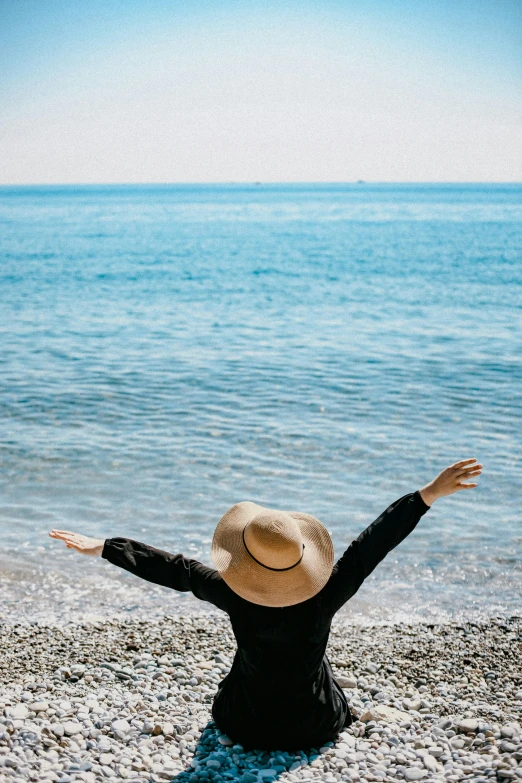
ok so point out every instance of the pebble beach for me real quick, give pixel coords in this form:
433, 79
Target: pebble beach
130, 699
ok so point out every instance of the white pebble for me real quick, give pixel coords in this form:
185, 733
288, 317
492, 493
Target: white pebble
120, 725
414, 773
72, 727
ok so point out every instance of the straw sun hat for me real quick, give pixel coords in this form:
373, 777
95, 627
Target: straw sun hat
271, 557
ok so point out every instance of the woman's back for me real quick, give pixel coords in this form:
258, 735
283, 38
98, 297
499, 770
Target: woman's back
280, 690
285, 643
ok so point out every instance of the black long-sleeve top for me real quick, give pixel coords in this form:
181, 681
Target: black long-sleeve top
280, 692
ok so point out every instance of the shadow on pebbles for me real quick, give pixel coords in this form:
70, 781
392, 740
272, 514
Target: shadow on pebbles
130, 700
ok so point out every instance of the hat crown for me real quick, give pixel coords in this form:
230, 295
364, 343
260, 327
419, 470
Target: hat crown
274, 539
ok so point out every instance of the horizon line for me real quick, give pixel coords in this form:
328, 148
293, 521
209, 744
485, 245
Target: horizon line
255, 183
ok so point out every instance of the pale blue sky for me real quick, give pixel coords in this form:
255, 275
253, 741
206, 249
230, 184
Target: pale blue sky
157, 91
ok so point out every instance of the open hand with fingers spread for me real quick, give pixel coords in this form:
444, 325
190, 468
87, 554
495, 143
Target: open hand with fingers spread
451, 480
83, 544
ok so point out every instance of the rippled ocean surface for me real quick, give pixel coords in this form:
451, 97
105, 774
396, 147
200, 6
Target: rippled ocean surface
167, 351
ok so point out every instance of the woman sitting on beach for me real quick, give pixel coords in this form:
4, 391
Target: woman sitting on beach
277, 581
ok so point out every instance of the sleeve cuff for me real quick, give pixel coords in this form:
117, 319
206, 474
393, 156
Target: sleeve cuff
422, 505
105, 549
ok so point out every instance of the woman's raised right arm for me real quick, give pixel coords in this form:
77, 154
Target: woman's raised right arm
388, 530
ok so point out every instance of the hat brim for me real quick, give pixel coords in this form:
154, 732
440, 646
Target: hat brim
258, 584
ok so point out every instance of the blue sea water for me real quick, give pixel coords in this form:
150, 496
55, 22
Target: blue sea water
167, 351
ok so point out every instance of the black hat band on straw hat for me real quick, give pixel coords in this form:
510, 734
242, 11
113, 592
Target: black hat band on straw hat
269, 567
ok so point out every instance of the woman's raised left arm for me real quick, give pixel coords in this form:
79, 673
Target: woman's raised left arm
155, 565
82, 544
